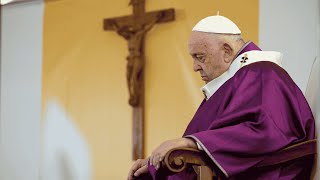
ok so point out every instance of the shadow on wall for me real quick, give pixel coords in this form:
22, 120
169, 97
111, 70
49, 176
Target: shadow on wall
66, 155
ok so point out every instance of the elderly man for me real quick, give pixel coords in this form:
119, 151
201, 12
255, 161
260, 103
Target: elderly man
251, 108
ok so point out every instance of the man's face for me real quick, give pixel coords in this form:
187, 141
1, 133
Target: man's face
208, 55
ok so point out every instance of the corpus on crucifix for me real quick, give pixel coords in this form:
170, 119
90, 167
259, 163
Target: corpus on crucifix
134, 28
136, 61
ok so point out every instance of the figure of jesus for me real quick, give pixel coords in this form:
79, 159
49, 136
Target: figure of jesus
135, 37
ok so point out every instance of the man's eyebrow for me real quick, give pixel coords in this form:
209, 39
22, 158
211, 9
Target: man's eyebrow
198, 53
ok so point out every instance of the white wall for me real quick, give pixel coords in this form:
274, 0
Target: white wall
291, 27
21, 64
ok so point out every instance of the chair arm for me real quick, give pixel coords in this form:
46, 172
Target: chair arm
178, 160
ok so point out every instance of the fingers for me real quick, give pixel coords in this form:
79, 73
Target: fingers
151, 159
155, 160
158, 163
130, 175
142, 170
137, 165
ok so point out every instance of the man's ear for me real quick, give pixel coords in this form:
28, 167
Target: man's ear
228, 53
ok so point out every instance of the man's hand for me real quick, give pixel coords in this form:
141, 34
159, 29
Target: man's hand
159, 153
139, 167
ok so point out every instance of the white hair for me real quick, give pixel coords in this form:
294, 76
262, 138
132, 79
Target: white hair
234, 40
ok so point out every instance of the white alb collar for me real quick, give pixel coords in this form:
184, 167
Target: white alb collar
242, 60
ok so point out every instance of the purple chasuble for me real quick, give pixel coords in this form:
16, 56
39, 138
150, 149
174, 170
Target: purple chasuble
258, 111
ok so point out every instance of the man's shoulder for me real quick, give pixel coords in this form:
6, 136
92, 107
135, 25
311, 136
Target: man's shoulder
261, 71
260, 62
263, 68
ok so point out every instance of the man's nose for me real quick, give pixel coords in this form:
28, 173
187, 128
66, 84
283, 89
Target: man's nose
196, 66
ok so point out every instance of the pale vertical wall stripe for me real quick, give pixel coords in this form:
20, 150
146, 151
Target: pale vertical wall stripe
21, 64
313, 97
1, 151
66, 152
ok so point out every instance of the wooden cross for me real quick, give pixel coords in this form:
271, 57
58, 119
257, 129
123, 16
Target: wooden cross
134, 28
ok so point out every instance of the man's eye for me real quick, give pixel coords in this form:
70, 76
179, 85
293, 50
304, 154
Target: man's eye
200, 58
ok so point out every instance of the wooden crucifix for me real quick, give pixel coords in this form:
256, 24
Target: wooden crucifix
134, 29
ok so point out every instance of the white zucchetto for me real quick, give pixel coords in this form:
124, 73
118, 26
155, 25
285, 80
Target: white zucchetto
217, 24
